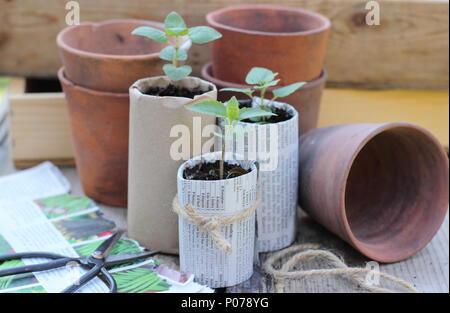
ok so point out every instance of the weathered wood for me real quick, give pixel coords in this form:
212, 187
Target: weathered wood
408, 49
428, 270
39, 127
429, 109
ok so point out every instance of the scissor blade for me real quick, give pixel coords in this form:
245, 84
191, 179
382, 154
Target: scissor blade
104, 249
126, 258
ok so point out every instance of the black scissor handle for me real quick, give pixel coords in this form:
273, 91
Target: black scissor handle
92, 273
57, 261
110, 281
28, 255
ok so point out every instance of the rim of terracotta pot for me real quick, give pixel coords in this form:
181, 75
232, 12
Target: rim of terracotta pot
208, 75
362, 246
186, 42
65, 81
211, 18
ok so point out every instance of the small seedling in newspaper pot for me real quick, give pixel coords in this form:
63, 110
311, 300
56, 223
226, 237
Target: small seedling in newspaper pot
306, 100
273, 142
216, 203
161, 133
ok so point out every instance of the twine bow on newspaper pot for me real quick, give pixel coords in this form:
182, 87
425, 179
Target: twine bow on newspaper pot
303, 252
212, 224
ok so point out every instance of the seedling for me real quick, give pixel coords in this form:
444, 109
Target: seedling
174, 26
261, 79
231, 114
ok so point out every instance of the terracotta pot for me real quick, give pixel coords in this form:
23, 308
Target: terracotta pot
107, 57
99, 125
306, 100
289, 41
383, 188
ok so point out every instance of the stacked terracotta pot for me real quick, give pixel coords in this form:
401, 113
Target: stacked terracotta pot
290, 41
101, 61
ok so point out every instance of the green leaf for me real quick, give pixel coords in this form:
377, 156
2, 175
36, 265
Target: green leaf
209, 107
151, 33
177, 73
233, 109
177, 31
287, 90
203, 34
260, 76
247, 113
269, 84
175, 25
168, 54
247, 91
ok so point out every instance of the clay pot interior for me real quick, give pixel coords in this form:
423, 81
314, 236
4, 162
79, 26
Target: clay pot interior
268, 19
393, 193
109, 38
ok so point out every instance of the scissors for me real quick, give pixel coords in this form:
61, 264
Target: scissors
97, 263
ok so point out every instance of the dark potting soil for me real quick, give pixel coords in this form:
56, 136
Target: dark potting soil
281, 115
175, 91
211, 171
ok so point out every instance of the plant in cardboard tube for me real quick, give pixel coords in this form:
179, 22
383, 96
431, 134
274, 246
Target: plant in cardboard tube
174, 26
261, 79
231, 114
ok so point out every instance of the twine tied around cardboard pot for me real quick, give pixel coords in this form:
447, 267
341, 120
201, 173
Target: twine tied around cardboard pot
212, 224
303, 252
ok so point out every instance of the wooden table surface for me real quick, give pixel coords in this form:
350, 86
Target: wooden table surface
428, 270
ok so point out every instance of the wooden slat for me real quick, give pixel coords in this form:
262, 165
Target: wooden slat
428, 109
408, 50
39, 129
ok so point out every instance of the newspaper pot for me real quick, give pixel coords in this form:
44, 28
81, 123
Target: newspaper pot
306, 100
290, 41
99, 125
383, 188
152, 165
275, 147
199, 254
107, 57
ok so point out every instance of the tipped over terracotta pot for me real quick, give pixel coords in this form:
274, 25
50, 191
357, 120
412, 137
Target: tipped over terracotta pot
290, 41
383, 188
107, 57
306, 100
99, 127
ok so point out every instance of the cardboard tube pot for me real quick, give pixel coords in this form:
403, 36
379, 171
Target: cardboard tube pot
99, 126
107, 57
275, 147
306, 100
199, 254
383, 188
158, 125
290, 41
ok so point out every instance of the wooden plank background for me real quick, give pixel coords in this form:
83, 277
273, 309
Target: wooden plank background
408, 50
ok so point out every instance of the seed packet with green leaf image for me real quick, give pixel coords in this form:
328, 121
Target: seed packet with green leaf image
63, 205
13, 281
77, 229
